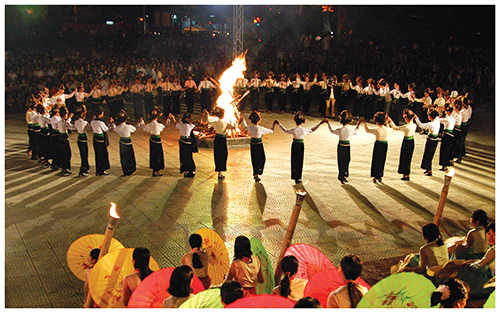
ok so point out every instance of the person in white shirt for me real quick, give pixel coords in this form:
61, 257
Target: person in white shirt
175, 95
439, 102
137, 97
100, 142
187, 145
408, 144
350, 292
466, 115
254, 86
343, 99
326, 98
205, 87
447, 141
45, 143
306, 92
54, 136
370, 101
156, 158
432, 140
344, 146
290, 287
299, 132
282, 87
127, 155
81, 126
296, 99
257, 153
457, 130
380, 148
64, 147
190, 86
268, 86
96, 95
357, 110
220, 142
396, 105
240, 87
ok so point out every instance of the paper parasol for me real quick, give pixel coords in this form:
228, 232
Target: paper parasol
267, 268
262, 301
490, 303
107, 276
402, 290
449, 269
311, 260
153, 289
218, 264
490, 283
323, 283
453, 242
402, 264
207, 299
79, 251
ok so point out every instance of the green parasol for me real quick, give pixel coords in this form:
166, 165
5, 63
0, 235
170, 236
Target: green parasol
267, 268
490, 303
402, 290
206, 299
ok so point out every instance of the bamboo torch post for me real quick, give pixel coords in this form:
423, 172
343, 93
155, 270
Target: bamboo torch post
301, 195
442, 199
108, 235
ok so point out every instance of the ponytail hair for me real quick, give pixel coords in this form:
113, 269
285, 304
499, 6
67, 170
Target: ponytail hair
431, 233
351, 267
289, 266
345, 117
195, 241
141, 257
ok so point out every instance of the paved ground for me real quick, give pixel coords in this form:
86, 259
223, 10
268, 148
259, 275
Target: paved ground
45, 212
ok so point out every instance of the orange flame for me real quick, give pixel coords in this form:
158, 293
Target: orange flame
227, 81
112, 211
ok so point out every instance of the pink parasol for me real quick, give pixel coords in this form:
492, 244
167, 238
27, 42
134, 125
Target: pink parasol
262, 301
311, 260
153, 289
323, 283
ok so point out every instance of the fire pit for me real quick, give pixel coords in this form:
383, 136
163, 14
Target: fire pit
228, 101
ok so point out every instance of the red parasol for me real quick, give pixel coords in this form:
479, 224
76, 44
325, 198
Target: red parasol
323, 283
153, 289
311, 260
262, 301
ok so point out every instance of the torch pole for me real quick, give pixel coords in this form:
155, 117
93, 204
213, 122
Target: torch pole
108, 235
301, 195
442, 199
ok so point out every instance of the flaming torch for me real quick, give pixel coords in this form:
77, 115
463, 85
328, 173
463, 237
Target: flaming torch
108, 235
301, 195
442, 198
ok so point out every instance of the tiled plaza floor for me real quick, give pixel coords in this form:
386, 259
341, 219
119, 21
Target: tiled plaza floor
46, 212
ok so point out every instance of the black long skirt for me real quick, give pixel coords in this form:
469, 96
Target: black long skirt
343, 159
297, 159
84, 153
127, 156
445, 150
37, 146
258, 156
429, 150
282, 100
405, 156
186, 156
101, 155
378, 159
156, 159
457, 141
56, 155
220, 153
465, 130
65, 151
45, 143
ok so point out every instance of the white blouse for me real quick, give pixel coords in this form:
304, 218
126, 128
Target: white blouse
184, 128
124, 130
98, 126
256, 131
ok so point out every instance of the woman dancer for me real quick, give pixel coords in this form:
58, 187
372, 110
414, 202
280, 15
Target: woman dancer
432, 140
64, 148
187, 145
156, 158
344, 147
380, 148
100, 142
297, 158
447, 141
282, 87
220, 142
81, 126
256, 147
408, 144
180, 287
268, 86
245, 267
127, 156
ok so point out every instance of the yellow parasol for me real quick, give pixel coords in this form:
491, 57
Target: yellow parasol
398, 268
79, 251
107, 276
218, 258
453, 242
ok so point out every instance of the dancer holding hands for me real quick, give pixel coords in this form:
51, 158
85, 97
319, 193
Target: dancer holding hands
408, 144
344, 147
380, 148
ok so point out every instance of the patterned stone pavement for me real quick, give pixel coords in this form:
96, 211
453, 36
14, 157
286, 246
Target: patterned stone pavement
46, 212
